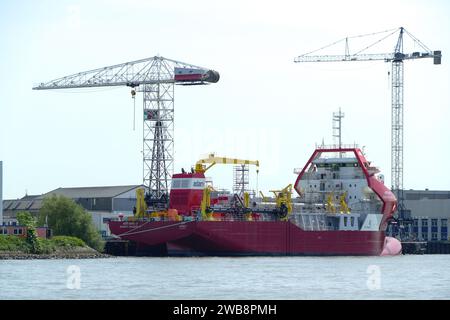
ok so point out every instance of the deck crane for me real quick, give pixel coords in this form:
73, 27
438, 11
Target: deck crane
155, 77
212, 159
396, 58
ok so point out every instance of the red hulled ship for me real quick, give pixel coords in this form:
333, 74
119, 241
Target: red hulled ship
342, 208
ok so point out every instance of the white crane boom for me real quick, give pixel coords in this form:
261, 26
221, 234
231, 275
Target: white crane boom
155, 77
132, 74
367, 57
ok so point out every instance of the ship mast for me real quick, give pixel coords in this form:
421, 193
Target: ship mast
337, 129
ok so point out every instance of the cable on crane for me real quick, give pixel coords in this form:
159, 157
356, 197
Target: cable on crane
417, 41
376, 42
352, 37
133, 96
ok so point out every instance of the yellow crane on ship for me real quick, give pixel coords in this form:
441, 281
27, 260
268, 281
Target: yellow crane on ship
202, 166
283, 200
343, 205
212, 160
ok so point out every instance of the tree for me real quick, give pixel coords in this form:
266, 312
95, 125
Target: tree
26, 219
66, 218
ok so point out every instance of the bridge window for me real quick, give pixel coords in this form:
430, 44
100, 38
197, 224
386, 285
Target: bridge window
176, 183
185, 183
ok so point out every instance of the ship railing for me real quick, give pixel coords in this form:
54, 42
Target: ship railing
308, 176
337, 146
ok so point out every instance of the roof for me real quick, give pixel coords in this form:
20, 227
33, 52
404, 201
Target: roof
29, 197
34, 203
90, 192
426, 194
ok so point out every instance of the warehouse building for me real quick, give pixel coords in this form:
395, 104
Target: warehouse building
430, 213
102, 203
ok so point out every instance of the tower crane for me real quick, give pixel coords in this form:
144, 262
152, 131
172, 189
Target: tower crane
396, 58
155, 77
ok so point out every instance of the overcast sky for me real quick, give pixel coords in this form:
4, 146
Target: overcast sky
264, 107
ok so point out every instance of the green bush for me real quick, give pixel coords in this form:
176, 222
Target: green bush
26, 219
65, 241
14, 243
66, 218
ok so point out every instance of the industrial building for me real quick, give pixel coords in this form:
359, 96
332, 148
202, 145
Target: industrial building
102, 203
430, 214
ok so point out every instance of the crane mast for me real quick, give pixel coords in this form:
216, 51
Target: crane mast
155, 77
397, 58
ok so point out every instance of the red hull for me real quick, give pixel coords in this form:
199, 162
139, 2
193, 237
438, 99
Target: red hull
230, 238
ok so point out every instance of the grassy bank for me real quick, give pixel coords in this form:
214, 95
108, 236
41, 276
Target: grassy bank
12, 247
13, 243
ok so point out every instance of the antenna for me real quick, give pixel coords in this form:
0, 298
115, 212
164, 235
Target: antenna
337, 129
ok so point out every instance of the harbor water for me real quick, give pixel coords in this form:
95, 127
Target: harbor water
399, 277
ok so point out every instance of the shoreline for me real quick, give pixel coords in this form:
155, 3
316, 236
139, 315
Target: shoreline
66, 253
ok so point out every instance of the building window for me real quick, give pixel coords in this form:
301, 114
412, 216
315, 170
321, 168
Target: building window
20, 231
425, 236
352, 221
94, 201
416, 222
434, 222
424, 223
444, 236
443, 223
434, 236
345, 221
16, 231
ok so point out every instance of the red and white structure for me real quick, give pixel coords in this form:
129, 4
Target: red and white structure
343, 209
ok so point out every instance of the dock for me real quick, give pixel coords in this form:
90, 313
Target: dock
424, 247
